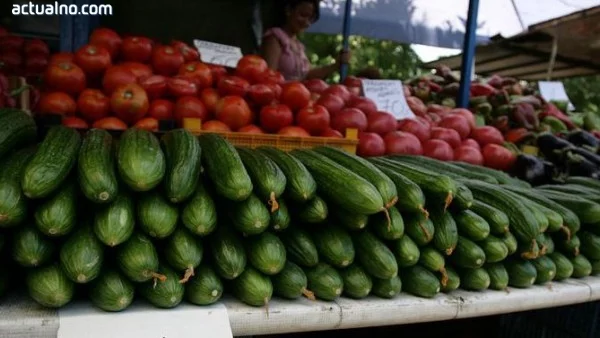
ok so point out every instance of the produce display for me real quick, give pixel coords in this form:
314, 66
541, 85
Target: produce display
172, 217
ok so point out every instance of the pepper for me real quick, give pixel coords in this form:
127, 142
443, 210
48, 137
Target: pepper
434, 87
591, 121
524, 115
534, 101
550, 110
519, 135
502, 123
482, 89
476, 100
500, 98
503, 110
495, 81
578, 119
556, 125
451, 89
422, 91
449, 102
484, 109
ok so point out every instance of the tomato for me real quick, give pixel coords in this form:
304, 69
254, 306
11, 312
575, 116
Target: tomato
314, 118
365, 104
497, 157
370, 144
61, 57
316, 85
293, 131
36, 46
11, 62
251, 67
179, 87
467, 114
487, 135
468, 154
438, 149
339, 90
189, 107
450, 136
189, 53
147, 123
110, 123
331, 133
74, 122
349, 118
65, 77
426, 120
136, 49
421, 130
331, 102
161, 109
399, 142
108, 39
271, 76
94, 60
154, 85
166, 60
11, 43
251, 129
416, 105
57, 103
140, 70
471, 143
437, 109
233, 85
261, 94
381, 123
93, 104
116, 76
276, 89
210, 97
234, 112
274, 117
129, 102
215, 125
457, 122
295, 95
218, 72
35, 63
199, 71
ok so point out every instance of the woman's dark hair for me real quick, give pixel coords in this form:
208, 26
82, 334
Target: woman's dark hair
291, 4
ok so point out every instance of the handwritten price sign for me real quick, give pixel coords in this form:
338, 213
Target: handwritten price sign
388, 95
218, 54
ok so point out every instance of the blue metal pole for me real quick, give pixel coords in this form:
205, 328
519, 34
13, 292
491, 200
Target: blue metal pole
468, 54
66, 30
346, 37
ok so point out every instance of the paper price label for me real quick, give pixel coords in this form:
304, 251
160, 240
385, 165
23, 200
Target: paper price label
218, 54
388, 95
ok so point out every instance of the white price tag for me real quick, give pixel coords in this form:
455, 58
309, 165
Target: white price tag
388, 95
218, 54
554, 91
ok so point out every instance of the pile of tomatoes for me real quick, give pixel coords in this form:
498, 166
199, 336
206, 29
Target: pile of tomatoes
22, 57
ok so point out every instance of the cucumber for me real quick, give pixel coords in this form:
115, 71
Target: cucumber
228, 253
581, 267
570, 247
18, 129
114, 223
184, 253
165, 294
205, 288
349, 220
387, 288
545, 268
388, 229
250, 217
138, 260
374, 255
445, 236
280, 219
324, 281
406, 251
464, 198
573, 189
357, 283
266, 253
81, 256
536, 211
511, 242
140, 161
291, 282
157, 216
413, 198
498, 276
495, 249
313, 212
49, 286
502, 177
592, 183
590, 245
30, 248
529, 251
496, 219
111, 291
472, 225
300, 247
595, 267
268, 180
301, 186
420, 282
453, 282
13, 204
521, 273
434, 262
419, 228
252, 288
564, 267
182, 155
545, 243
223, 166
446, 168
468, 255
199, 213
586, 210
475, 279
335, 246
56, 216
95, 167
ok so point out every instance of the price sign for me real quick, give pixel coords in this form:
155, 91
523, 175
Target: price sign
554, 91
218, 54
388, 95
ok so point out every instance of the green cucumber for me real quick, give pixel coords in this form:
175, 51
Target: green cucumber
496, 219
313, 212
301, 186
291, 282
138, 259
475, 279
111, 291
521, 273
511, 242
357, 283
324, 281
472, 225
445, 236
81, 256
349, 220
585, 181
468, 254
95, 167
502, 177
420, 282
595, 267
140, 161
228, 253
252, 288
374, 255
570, 247
387, 288
250, 217
56, 216
413, 198
114, 223
453, 281
182, 155
495, 249
463, 199
446, 168
205, 288
165, 294
388, 229
199, 214
13, 203
420, 228
266, 253
280, 219
184, 253
157, 216
546, 269
498, 276
268, 180
434, 262
49, 286
564, 267
18, 129
334, 245
586, 210
590, 245
545, 243
300, 247
581, 266
30, 248
406, 251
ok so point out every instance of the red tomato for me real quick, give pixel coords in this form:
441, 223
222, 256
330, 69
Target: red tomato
3, 31
316, 85
399, 142
497, 157
179, 87
108, 39
437, 109
234, 112
140, 70
331, 133
166, 60
468, 154
161, 109
352, 81
61, 57
261, 94
313, 118
276, 90
426, 120
467, 114
251, 129
147, 123
65, 77
94, 60
11, 63
471, 143
340, 91
116, 76
36, 46
233, 85
416, 105
251, 67
210, 97
190, 107
136, 49
450, 136
275, 117
11, 43
295, 95
293, 131
35, 63
198, 71
349, 118
129, 102
93, 105
189, 53
57, 103
271, 76
215, 125
110, 123
487, 135
435, 118
421, 130
438, 149
370, 144
218, 72
154, 85
332, 102
365, 104
458, 123
74, 122
381, 123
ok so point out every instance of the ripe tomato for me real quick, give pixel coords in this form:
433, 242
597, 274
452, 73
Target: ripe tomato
129, 102
471, 143
35, 63
210, 97
233, 85
370, 144
316, 85
457, 122
138, 69
161, 109
331, 133
438, 149
110, 123
275, 117
179, 87
437, 108
93, 104
11, 43
487, 135
218, 72
94, 60
314, 118
468, 154
189, 53
116, 76
136, 49
381, 123
199, 71
293, 131
271, 76
166, 60
295, 95
261, 94
399, 142
352, 81
154, 85
349, 118
276, 89
234, 112
65, 77
74, 122
364, 104
36, 46
108, 39
57, 103
147, 123
416, 105
61, 57
332, 102
421, 130
251, 67
450, 136
11, 62
497, 157
339, 90
251, 129
215, 125
189, 107
467, 114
